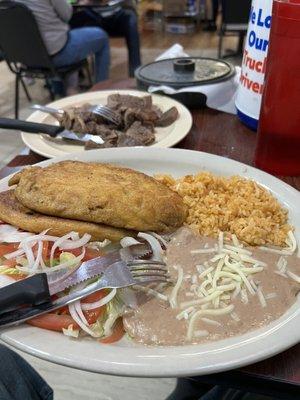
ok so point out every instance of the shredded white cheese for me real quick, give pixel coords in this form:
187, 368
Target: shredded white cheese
173, 295
235, 317
198, 314
203, 251
270, 296
151, 292
244, 296
261, 298
187, 311
235, 241
280, 274
289, 250
238, 250
206, 299
293, 276
211, 321
206, 272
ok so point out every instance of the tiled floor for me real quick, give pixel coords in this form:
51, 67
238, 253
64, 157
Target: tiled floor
78, 385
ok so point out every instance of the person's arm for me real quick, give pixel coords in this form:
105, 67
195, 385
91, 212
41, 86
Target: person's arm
63, 9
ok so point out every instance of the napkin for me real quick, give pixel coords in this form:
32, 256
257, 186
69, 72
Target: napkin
220, 96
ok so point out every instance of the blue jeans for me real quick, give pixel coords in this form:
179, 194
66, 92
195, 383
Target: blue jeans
19, 381
84, 42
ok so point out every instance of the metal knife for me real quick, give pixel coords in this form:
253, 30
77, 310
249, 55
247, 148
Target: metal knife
38, 289
54, 131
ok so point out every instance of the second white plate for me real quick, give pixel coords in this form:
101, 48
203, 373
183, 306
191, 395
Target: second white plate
165, 137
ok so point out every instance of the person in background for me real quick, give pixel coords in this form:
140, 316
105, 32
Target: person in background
68, 46
116, 21
212, 23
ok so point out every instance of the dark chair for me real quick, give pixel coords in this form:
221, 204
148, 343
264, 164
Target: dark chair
24, 50
235, 17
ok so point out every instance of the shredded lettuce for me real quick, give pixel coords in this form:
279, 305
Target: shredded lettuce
9, 271
114, 310
103, 327
98, 245
71, 332
64, 257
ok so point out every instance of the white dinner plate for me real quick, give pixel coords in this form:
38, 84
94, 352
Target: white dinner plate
165, 137
128, 358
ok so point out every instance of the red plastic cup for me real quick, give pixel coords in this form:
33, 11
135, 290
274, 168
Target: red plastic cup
278, 143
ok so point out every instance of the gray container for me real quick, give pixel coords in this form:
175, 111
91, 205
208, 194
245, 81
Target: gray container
184, 72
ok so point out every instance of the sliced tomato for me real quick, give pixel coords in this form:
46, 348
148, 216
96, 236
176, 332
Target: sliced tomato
63, 310
17, 277
117, 334
45, 251
92, 315
53, 322
10, 263
6, 248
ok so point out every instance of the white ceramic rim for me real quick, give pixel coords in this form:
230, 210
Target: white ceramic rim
170, 135
142, 361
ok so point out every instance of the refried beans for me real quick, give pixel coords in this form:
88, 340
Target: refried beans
175, 319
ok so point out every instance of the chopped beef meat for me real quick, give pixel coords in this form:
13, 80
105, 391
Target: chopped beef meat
138, 118
141, 132
147, 117
168, 117
127, 141
117, 101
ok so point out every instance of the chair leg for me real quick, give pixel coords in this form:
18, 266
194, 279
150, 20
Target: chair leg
25, 89
17, 96
49, 87
220, 43
241, 43
89, 76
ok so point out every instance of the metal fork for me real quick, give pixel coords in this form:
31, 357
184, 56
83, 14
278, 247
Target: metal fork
118, 275
107, 113
102, 111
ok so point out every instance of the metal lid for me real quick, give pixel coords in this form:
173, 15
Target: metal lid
187, 71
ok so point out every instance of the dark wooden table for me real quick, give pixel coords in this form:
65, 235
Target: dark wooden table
221, 134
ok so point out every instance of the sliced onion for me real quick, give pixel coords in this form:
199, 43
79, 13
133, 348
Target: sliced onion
67, 263
155, 245
79, 311
11, 234
14, 254
60, 275
74, 244
56, 245
160, 238
128, 241
38, 257
29, 254
79, 322
100, 303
